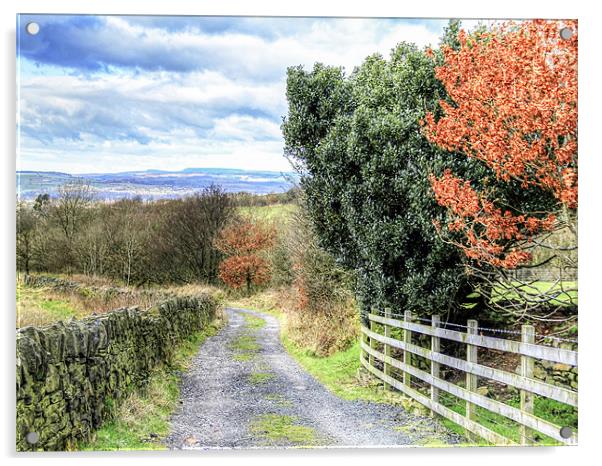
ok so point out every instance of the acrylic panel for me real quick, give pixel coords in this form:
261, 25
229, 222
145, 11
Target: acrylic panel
284, 232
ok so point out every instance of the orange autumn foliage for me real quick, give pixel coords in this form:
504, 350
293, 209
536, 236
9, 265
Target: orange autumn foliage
485, 226
244, 242
237, 271
514, 90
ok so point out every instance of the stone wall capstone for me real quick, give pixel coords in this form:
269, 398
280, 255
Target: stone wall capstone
69, 374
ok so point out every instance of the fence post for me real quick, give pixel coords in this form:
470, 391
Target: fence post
436, 348
372, 344
387, 366
471, 379
527, 364
407, 356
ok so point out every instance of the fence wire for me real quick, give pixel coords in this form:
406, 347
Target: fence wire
484, 329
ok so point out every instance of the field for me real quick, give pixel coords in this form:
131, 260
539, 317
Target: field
566, 292
44, 305
271, 213
38, 306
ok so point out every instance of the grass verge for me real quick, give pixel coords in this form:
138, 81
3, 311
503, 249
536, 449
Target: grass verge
550, 410
341, 374
141, 421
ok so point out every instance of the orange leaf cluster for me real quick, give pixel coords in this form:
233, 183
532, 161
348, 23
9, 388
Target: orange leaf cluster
239, 271
243, 242
484, 225
515, 104
514, 90
245, 237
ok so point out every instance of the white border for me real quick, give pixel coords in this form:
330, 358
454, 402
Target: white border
590, 185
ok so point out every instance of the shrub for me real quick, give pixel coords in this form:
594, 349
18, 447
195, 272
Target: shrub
364, 163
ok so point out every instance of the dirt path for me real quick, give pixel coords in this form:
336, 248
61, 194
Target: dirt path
243, 391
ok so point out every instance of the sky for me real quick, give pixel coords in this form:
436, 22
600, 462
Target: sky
119, 93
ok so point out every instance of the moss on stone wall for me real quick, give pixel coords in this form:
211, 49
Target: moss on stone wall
69, 375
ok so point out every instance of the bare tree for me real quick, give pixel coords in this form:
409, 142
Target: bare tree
26, 226
546, 289
73, 199
193, 226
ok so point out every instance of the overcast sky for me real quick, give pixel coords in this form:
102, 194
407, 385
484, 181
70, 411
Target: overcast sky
111, 93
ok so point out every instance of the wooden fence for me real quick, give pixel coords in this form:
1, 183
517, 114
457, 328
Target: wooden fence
401, 374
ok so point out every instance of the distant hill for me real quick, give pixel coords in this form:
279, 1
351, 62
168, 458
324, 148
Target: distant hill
157, 184
31, 172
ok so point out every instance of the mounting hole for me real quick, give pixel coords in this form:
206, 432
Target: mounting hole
566, 33
566, 432
32, 28
32, 438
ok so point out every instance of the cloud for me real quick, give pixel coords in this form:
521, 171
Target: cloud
144, 107
154, 120
236, 47
245, 128
109, 93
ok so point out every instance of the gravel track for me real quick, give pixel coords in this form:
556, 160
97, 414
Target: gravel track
224, 394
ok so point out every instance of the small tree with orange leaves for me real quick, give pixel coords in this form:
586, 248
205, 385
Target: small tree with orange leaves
243, 242
513, 106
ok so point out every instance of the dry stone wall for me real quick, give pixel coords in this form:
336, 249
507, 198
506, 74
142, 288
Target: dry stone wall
70, 374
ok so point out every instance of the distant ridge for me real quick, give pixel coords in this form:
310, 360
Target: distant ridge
39, 172
158, 184
154, 171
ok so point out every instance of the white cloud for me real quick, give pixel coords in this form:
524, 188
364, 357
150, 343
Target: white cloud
245, 128
92, 155
220, 104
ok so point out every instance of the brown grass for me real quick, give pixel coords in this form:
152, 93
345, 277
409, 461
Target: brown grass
41, 306
45, 305
193, 289
323, 330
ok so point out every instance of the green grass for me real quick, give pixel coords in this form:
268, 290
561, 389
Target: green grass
279, 428
339, 373
243, 357
564, 298
550, 410
245, 347
274, 212
279, 399
257, 378
36, 307
58, 309
254, 322
244, 343
141, 421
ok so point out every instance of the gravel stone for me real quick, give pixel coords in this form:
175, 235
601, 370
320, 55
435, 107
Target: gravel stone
219, 403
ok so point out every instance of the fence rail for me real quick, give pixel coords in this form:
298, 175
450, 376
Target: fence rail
372, 358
